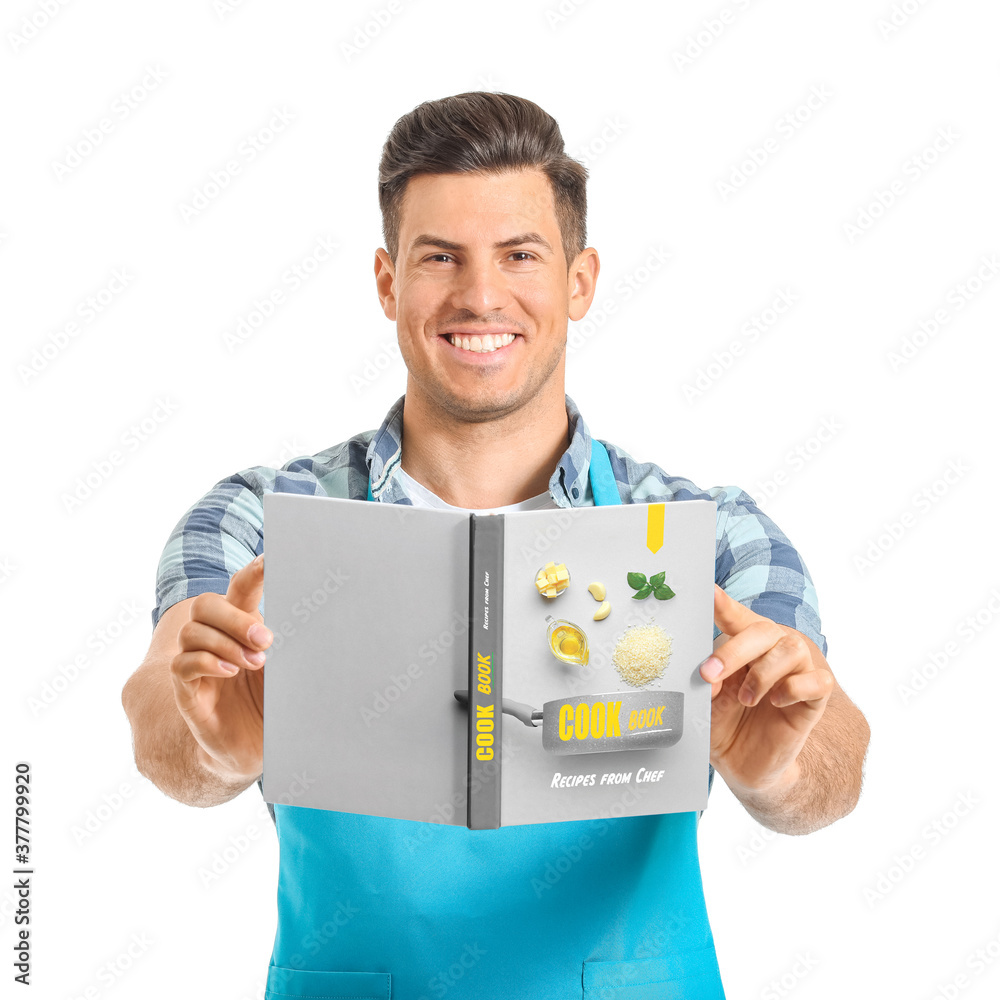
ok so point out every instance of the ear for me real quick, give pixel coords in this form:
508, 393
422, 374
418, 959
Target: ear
385, 283
582, 281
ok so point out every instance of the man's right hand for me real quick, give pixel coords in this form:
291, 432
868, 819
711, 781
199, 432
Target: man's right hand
218, 675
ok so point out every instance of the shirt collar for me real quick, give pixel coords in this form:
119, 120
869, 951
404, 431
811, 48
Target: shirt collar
569, 484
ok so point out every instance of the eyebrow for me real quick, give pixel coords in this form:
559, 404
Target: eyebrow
429, 240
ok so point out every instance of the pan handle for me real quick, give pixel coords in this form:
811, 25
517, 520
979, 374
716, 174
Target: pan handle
524, 713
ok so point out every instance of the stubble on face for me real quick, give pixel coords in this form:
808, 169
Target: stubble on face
476, 211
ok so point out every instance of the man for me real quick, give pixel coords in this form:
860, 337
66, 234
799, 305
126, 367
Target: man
485, 261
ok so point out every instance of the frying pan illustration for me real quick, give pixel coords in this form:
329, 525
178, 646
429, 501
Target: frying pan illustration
595, 723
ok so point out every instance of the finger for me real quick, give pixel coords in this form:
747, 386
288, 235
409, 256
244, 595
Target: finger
811, 686
731, 616
246, 586
243, 626
754, 641
787, 656
187, 668
195, 635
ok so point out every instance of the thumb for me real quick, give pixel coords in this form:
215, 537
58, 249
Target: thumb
246, 586
731, 616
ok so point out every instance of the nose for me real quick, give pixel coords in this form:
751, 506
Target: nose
480, 287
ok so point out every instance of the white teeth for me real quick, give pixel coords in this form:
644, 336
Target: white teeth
482, 345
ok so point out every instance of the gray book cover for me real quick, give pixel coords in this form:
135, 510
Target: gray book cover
598, 706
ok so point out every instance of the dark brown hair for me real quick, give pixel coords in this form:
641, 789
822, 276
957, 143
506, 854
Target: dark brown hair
479, 130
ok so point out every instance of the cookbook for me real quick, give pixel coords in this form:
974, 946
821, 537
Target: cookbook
487, 670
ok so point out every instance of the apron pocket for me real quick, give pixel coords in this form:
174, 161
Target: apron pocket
692, 974
282, 983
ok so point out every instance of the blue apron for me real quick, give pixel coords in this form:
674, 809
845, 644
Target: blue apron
608, 909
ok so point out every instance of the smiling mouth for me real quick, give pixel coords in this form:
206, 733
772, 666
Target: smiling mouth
485, 344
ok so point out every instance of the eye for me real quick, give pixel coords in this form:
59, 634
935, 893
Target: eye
523, 254
436, 256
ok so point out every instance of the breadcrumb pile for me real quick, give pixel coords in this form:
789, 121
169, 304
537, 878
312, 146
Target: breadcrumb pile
641, 654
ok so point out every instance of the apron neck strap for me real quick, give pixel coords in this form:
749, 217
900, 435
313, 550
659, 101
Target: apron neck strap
602, 479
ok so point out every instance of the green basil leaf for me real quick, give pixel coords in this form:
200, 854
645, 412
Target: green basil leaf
636, 580
642, 592
657, 581
663, 593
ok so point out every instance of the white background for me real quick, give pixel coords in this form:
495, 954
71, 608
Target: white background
800, 916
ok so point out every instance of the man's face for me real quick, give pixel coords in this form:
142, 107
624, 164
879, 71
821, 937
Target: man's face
480, 265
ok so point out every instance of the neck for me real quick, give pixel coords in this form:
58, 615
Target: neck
489, 463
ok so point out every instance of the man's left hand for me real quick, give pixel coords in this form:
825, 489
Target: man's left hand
770, 686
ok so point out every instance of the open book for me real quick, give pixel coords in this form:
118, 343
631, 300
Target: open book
487, 669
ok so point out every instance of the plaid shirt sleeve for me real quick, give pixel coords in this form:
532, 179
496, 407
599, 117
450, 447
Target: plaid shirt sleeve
758, 566
214, 538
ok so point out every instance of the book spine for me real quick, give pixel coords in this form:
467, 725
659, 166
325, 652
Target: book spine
486, 540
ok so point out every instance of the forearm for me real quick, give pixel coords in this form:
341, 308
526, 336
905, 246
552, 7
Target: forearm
823, 783
165, 750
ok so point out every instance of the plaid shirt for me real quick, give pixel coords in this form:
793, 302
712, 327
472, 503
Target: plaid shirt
755, 563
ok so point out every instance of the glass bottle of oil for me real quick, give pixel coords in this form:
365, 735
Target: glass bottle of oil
567, 641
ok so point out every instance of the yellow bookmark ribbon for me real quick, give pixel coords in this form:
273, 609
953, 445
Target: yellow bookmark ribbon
654, 527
